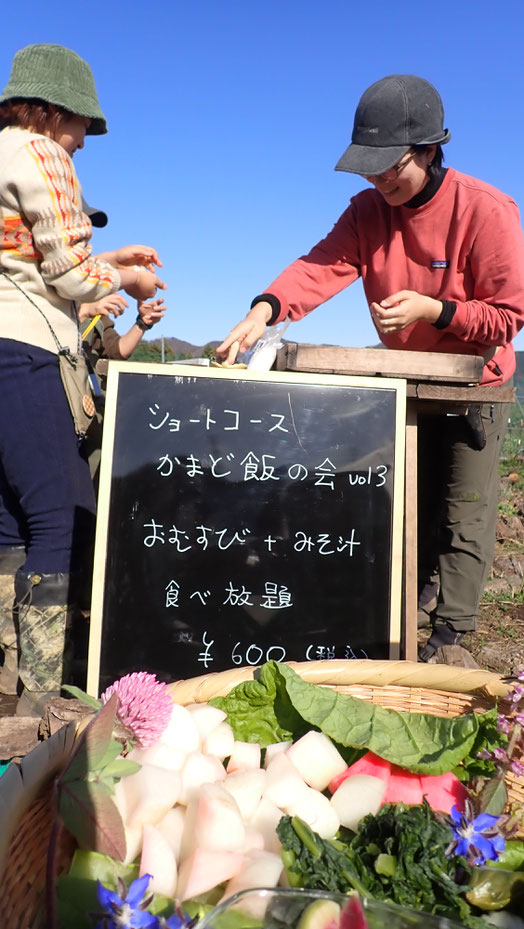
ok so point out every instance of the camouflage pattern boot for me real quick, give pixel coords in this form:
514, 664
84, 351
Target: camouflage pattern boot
42, 605
10, 561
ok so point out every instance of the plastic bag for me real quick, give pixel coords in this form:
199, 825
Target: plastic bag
264, 351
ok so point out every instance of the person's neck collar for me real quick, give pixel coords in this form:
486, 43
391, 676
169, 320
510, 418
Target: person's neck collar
429, 190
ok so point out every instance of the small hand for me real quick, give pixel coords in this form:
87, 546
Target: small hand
246, 333
404, 308
141, 255
114, 304
152, 312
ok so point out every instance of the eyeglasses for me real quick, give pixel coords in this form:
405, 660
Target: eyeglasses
393, 172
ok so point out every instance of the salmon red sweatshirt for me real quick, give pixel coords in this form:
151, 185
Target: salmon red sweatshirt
464, 245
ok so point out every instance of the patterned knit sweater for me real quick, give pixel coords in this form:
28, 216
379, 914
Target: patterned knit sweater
44, 243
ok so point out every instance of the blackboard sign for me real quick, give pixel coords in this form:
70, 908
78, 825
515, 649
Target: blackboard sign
246, 517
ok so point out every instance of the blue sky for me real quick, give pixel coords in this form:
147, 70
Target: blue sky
226, 119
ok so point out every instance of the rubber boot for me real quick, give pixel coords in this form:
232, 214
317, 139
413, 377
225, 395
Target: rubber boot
10, 561
42, 606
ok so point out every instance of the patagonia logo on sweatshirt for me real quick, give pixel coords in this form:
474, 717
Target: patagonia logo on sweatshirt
440, 264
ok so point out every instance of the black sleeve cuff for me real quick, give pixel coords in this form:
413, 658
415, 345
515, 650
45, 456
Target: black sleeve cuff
274, 303
449, 308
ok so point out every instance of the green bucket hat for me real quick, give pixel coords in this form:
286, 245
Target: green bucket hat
57, 75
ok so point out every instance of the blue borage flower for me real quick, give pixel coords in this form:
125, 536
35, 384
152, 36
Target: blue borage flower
127, 909
477, 839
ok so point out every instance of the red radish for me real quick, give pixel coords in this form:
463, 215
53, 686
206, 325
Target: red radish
369, 764
205, 869
352, 916
444, 792
403, 787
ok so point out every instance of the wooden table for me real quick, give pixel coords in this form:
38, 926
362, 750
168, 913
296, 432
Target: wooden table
435, 383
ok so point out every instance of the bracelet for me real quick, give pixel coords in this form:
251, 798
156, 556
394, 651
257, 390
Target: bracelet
142, 325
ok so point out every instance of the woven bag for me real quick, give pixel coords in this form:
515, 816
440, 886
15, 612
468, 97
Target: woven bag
26, 789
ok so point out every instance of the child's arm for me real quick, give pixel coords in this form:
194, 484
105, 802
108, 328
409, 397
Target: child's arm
148, 314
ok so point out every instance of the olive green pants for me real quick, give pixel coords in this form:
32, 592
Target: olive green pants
458, 487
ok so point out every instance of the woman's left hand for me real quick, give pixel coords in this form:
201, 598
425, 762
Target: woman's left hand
404, 308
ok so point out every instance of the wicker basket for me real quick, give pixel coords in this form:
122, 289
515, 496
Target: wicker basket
25, 789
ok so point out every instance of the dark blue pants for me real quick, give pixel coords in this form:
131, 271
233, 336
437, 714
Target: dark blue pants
46, 493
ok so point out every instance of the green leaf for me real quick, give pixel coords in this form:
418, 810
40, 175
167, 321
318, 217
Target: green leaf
93, 744
257, 712
94, 866
92, 818
512, 858
121, 767
81, 695
494, 797
280, 705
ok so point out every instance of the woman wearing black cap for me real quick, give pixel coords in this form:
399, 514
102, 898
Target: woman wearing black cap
441, 257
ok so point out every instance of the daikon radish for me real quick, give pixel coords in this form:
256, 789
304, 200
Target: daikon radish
206, 717
266, 819
149, 794
260, 869
274, 749
254, 840
204, 869
199, 769
245, 756
181, 731
316, 759
246, 787
160, 754
316, 810
219, 742
282, 781
172, 826
213, 820
158, 860
134, 838
356, 797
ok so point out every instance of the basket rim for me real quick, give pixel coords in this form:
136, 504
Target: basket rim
409, 674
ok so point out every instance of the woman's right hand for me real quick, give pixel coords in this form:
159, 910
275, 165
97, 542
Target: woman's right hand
142, 285
246, 333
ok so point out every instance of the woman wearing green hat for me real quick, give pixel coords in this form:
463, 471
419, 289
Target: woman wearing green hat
46, 268
441, 257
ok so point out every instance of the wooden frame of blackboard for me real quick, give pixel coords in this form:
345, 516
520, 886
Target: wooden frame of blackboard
394, 386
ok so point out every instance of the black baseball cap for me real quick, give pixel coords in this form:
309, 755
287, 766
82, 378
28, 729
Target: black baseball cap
97, 217
394, 114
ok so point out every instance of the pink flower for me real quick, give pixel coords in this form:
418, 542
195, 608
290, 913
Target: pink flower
144, 706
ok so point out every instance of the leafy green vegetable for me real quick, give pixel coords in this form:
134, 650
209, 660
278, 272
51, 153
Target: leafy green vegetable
280, 705
408, 845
